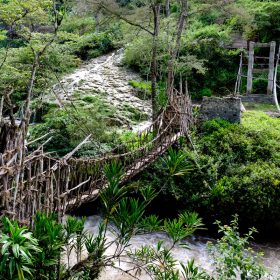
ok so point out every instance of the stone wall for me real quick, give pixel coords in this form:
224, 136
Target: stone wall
227, 108
258, 98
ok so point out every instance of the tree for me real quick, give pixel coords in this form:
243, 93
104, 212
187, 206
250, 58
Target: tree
176, 41
154, 6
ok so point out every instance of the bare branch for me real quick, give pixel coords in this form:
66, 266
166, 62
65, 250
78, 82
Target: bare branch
118, 15
38, 139
65, 158
5, 58
75, 188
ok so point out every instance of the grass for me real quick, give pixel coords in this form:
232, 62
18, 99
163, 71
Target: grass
135, 114
265, 107
260, 121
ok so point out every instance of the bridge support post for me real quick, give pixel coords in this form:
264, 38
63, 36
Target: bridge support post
271, 67
250, 68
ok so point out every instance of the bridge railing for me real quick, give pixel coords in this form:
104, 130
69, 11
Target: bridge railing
37, 182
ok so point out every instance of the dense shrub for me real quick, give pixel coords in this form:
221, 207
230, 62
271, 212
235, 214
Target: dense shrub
71, 125
236, 169
93, 44
233, 256
78, 25
203, 59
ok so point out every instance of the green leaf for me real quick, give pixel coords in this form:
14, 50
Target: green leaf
15, 249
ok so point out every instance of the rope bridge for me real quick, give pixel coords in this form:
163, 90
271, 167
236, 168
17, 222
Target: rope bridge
37, 182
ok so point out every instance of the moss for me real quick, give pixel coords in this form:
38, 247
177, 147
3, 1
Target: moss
77, 94
89, 99
141, 85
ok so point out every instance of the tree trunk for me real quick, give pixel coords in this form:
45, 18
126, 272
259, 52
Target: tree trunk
97, 17
175, 50
156, 14
167, 8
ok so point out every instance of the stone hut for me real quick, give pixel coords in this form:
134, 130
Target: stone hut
227, 108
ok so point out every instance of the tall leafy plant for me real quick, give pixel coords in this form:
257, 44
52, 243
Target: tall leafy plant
51, 238
18, 247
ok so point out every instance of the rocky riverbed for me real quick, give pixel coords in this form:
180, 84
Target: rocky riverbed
106, 78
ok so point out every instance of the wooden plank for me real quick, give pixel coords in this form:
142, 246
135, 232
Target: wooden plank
262, 57
256, 70
262, 45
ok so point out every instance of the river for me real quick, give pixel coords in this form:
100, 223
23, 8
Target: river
197, 250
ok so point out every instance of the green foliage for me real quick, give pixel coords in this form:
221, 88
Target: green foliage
264, 23
185, 225
242, 169
31, 30
126, 213
165, 270
141, 85
50, 236
18, 247
235, 169
37, 254
93, 44
204, 92
192, 272
89, 99
70, 125
78, 25
16, 71
233, 258
143, 89
138, 54
203, 58
151, 223
127, 217
175, 162
174, 166
12, 12
135, 114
